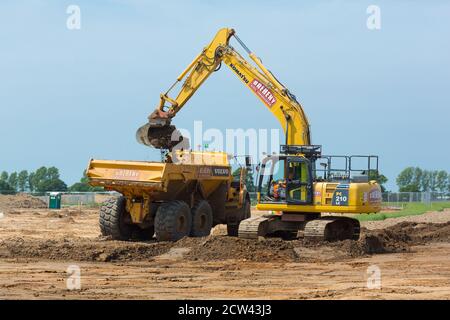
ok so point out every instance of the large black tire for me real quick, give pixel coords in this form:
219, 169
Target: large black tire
233, 228
173, 221
112, 219
201, 219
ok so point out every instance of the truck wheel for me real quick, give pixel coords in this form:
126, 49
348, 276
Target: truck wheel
113, 219
201, 219
173, 221
233, 229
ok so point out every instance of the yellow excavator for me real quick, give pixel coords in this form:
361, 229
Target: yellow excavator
302, 189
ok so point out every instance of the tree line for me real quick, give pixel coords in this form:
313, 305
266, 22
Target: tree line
44, 179
415, 179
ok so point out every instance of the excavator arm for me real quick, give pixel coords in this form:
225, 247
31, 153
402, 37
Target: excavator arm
259, 80
198, 71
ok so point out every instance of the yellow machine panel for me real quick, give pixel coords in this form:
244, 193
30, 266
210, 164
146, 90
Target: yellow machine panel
335, 198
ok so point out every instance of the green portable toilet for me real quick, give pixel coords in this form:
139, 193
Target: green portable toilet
54, 200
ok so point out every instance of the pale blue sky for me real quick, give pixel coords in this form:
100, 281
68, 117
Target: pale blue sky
67, 95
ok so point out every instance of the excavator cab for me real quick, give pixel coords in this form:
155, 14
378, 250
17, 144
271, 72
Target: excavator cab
301, 179
289, 177
286, 179
299, 182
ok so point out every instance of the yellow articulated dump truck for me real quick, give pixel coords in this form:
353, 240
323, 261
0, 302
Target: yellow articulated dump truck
186, 195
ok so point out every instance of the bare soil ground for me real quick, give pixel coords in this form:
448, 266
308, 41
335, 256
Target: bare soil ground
20, 201
38, 245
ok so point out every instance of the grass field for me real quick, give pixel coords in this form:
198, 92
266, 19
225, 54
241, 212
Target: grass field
410, 209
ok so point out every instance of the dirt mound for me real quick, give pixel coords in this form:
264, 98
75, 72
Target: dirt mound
223, 247
81, 249
421, 233
427, 217
21, 201
398, 238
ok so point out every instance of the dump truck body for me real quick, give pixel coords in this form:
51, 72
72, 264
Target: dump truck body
189, 177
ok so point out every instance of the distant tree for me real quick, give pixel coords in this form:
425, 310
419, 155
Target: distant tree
4, 176
52, 173
429, 180
80, 187
5, 188
409, 180
12, 180
433, 180
22, 180
426, 180
42, 180
442, 181
51, 185
84, 186
417, 178
30, 180
47, 179
405, 178
37, 177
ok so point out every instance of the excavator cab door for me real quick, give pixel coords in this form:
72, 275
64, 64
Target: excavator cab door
298, 180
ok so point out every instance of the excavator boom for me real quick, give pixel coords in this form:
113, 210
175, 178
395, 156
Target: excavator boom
158, 132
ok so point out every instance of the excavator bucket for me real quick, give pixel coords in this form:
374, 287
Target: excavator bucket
160, 134
142, 135
159, 137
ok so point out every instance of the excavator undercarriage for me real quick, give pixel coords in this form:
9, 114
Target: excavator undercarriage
327, 228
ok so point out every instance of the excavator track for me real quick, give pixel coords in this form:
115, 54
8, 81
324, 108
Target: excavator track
252, 228
332, 229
